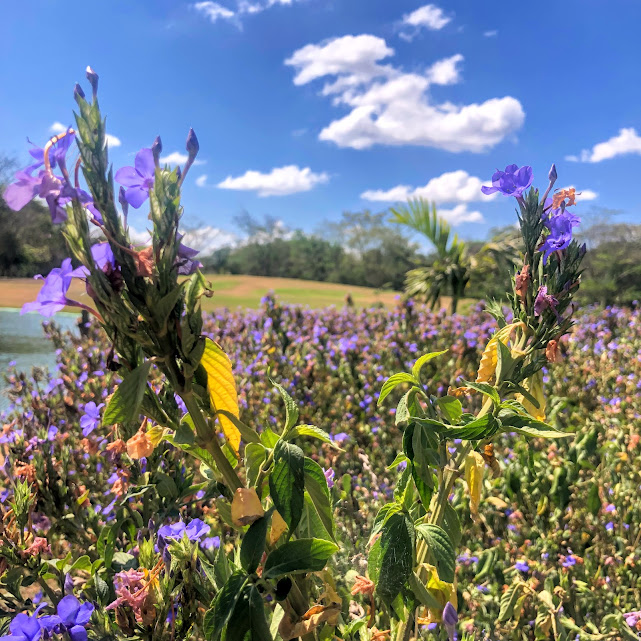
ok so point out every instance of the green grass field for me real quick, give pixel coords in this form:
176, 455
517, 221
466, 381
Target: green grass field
229, 291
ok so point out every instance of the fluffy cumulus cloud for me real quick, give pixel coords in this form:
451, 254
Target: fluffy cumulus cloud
178, 158
204, 239
58, 128
428, 16
201, 181
460, 214
450, 187
626, 142
280, 181
388, 106
215, 11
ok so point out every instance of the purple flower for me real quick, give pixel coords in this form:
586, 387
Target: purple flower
544, 301
522, 566
103, 256
560, 235
25, 627
72, 618
52, 298
185, 259
195, 531
24, 190
340, 437
90, 420
139, 179
210, 543
450, 619
511, 182
329, 477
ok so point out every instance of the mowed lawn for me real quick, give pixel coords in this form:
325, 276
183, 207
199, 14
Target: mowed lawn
231, 292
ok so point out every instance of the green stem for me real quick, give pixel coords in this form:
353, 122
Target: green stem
48, 591
208, 437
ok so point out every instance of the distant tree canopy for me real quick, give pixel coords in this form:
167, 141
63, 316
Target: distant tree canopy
29, 243
362, 248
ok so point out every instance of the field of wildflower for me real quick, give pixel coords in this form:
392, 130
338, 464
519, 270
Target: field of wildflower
334, 474
560, 519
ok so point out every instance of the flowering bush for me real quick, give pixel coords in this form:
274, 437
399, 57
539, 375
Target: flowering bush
153, 490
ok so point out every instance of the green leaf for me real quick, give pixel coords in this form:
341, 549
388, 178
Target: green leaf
406, 407
478, 429
247, 433
269, 438
400, 458
300, 556
594, 500
222, 607
396, 556
255, 455
287, 482
314, 432
291, 409
508, 602
310, 526
531, 427
487, 560
426, 358
253, 545
452, 408
258, 625
184, 435
421, 593
126, 400
82, 563
316, 486
486, 389
393, 381
440, 549
452, 524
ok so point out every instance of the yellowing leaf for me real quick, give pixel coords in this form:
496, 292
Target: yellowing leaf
440, 590
279, 527
489, 359
474, 466
246, 507
222, 389
534, 385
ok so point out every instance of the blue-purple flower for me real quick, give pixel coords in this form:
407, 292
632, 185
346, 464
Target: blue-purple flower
72, 617
511, 182
103, 256
560, 235
139, 179
195, 530
90, 420
52, 298
25, 627
450, 619
544, 301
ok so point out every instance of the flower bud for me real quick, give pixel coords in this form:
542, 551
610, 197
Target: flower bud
192, 145
449, 614
123, 203
92, 77
78, 92
552, 176
68, 584
156, 150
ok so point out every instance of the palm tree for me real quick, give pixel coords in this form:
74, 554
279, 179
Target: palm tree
449, 272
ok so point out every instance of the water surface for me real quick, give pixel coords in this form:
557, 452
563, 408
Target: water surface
22, 340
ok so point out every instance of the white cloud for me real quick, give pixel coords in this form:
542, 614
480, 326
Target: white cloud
450, 187
391, 107
627, 142
112, 141
178, 158
201, 181
57, 128
491, 34
280, 181
446, 71
460, 214
429, 16
583, 195
214, 11
208, 239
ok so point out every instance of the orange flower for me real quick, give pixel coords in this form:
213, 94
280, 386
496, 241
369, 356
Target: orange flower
26, 471
552, 352
144, 261
117, 447
561, 195
363, 585
140, 445
522, 281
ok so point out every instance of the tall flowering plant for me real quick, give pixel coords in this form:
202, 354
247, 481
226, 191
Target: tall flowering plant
152, 578
413, 544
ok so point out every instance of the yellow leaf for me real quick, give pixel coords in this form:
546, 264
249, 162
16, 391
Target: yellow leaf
474, 466
246, 507
534, 385
440, 590
489, 359
279, 527
222, 389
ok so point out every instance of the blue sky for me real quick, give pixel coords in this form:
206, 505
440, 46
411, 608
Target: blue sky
306, 108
